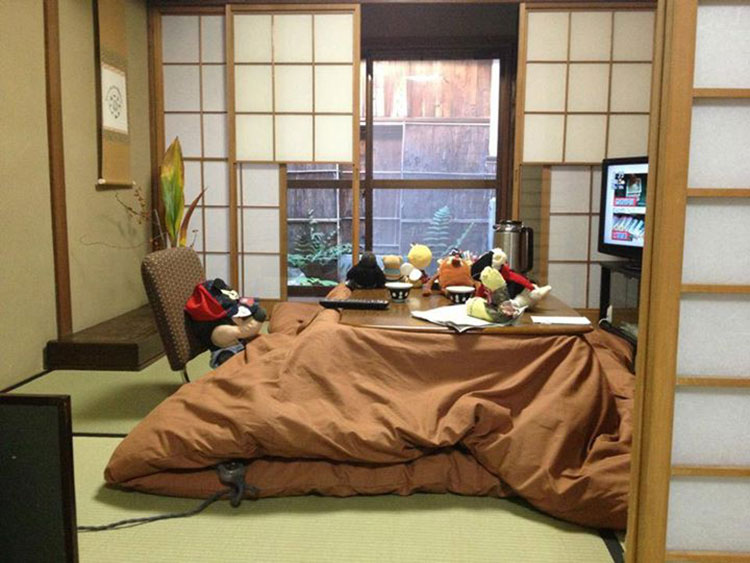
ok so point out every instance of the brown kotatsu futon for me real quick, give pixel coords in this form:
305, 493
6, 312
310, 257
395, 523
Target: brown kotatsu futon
321, 407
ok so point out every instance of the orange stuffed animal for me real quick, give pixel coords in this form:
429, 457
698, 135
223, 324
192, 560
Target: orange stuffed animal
452, 270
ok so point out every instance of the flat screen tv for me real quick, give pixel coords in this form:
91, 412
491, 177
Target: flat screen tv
622, 218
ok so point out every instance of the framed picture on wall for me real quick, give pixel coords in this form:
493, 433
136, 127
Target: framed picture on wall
114, 99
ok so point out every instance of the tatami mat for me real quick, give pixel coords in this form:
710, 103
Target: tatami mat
385, 528
113, 402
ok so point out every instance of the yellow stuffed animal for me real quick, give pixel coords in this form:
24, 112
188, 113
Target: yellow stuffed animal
419, 258
498, 308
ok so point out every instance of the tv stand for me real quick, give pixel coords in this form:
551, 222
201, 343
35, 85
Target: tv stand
624, 317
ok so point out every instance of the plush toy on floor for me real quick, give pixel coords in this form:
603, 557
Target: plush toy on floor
366, 274
521, 290
419, 259
452, 270
222, 320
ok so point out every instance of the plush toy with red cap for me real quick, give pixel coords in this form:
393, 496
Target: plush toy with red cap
222, 320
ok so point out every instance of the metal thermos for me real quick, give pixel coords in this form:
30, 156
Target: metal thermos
517, 242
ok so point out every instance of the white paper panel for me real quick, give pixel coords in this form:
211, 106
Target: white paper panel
217, 266
293, 88
212, 39
260, 184
253, 88
588, 87
633, 36
195, 232
260, 230
714, 335
545, 87
631, 87
179, 39
586, 136
188, 128
262, 276
214, 88
569, 189
568, 283
717, 242
568, 237
254, 137
181, 88
722, 46
590, 36
542, 138
215, 135
294, 138
719, 137
333, 138
292, 38
595, 280
334, 38
547, 34
594, 252
596, 188
216, 180
332, 90
628, 135
252, 38
709, 514
192, 180
217, 230
711, 427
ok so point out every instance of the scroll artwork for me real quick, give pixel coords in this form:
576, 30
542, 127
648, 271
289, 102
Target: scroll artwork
114, 151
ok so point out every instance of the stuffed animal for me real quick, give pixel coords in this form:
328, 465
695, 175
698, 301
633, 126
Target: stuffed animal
392, 267
221, 320
523, 292
452, 270
497, 307
419, 259
366, 274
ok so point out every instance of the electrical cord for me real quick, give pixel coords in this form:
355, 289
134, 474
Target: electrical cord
132, 522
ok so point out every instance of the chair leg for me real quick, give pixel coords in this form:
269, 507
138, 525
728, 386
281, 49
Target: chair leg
185, 377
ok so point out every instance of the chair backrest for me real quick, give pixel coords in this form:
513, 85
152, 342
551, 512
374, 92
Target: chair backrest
169, 277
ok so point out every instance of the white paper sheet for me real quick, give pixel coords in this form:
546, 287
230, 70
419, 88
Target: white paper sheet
450, 314
536, 319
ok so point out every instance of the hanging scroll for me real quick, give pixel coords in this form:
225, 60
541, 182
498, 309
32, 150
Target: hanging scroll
114, 142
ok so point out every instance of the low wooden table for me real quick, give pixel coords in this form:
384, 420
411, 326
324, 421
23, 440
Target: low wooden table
398, 315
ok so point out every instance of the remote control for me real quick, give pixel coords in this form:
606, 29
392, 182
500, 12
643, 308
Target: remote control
354, 303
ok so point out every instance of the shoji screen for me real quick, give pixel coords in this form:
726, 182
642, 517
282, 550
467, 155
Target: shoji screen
193, 84
584, 84
709, 498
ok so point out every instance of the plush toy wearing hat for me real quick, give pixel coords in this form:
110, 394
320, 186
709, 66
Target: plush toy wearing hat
222, 320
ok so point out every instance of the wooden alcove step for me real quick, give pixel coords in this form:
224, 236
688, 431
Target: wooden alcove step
128, 342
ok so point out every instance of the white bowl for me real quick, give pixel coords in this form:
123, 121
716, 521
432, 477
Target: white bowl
459, 293
460, 289
399, 291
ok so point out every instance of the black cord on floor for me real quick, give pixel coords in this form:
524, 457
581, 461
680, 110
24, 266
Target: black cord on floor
613, 545
131, 522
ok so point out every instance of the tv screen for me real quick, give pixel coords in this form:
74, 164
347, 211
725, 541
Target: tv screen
622, 220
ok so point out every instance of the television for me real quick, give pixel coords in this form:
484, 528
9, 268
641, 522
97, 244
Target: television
622, 217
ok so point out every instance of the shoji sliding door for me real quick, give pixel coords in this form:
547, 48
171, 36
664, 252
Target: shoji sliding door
694, 505
247, 90
584, 84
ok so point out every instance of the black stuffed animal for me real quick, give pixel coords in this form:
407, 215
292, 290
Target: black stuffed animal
366, 274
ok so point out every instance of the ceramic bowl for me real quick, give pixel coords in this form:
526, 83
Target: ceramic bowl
459, 293
399, 291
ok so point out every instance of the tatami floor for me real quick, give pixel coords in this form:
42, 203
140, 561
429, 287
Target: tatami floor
106, 405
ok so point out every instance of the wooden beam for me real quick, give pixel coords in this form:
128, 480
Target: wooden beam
714, 288
53, 81
232, 146
718, 192
692, 381
710, 471
708, 556
721, 93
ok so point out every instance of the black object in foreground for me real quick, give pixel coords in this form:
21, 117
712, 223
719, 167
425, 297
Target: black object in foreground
354, 303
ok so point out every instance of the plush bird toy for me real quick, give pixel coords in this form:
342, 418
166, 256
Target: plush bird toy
366, 274
419, 259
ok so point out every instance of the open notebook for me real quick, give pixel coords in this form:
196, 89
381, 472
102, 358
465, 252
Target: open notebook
455, 317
